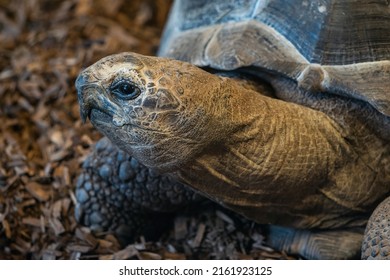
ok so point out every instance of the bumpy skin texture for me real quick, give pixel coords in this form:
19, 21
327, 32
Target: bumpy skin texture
117, 193
376, 243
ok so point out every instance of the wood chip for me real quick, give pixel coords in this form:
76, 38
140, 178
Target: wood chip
7, 229
87, 237
56, 209
174, 256
66, 176
224, 217
57, 226
105, 244
66, 202
31, 221
149, 256
57, 138
38, 191
79, 248
125, 254
199, 235
58, 156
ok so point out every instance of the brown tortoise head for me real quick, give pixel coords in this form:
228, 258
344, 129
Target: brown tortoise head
159, 110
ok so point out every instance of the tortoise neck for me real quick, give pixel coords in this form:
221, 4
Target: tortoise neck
267, 128
275, 147
286, 143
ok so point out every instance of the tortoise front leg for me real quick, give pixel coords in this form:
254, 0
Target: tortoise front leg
117, 193
376, 242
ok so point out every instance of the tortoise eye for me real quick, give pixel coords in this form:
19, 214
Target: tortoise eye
125, 90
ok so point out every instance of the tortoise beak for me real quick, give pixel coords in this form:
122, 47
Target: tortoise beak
83, 87
92, 95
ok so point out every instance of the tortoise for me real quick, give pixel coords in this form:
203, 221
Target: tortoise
278, 110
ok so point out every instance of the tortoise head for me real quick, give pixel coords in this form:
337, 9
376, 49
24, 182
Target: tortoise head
161, 111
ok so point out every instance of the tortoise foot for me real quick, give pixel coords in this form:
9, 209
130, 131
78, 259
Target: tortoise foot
316, 244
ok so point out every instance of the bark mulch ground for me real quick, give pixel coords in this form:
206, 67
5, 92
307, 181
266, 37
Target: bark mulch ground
43, 46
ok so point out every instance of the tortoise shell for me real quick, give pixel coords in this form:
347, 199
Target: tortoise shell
338, 47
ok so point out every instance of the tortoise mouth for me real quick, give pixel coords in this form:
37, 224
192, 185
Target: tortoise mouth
102, 119
99, 117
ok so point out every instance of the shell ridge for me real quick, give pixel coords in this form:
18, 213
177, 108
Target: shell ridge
229, 50
351, 81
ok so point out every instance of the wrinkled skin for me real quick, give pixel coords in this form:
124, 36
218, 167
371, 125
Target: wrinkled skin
273, 161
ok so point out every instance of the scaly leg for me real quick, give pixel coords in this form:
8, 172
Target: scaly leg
117, 193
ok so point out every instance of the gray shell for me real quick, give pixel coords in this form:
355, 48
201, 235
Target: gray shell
339, 47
